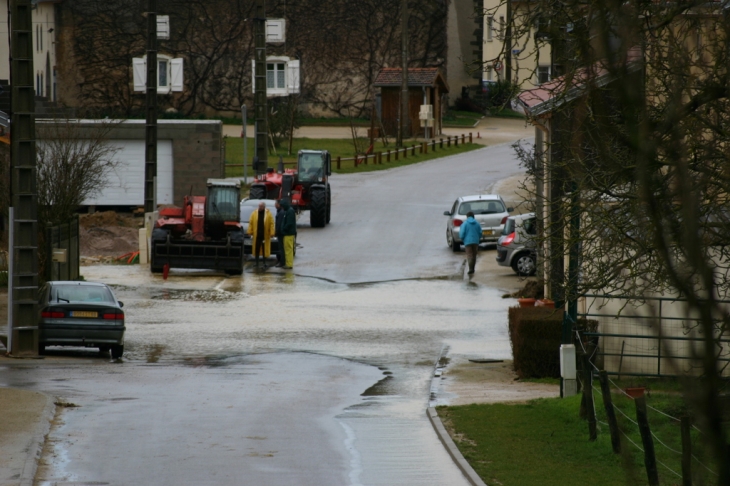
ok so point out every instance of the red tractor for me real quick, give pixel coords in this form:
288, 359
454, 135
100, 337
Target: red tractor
205, 233
306, 188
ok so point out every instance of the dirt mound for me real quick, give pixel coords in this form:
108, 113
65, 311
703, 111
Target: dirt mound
109, 218
108, 234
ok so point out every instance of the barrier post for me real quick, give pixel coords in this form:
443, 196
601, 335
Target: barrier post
339, 158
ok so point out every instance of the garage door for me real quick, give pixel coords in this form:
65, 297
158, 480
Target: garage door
126, 183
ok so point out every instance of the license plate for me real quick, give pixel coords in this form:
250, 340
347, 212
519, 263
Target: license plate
487, 233
84, 314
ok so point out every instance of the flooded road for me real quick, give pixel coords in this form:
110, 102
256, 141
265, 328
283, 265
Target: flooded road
318, 376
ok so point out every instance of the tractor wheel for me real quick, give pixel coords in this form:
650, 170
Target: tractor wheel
329, 204
257, 192
155, 267
318, 209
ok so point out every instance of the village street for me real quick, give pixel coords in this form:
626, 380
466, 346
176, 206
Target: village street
318, 376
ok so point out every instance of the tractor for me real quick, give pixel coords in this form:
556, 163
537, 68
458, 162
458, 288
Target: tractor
205, 233
306, 188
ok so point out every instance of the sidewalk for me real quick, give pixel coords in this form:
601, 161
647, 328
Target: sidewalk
26, 419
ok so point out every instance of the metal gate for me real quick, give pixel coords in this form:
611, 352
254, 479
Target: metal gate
657, 337
62, 251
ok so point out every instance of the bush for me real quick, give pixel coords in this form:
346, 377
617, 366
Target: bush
535, 334
500, 94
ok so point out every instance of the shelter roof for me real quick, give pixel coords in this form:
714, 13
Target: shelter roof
391, 77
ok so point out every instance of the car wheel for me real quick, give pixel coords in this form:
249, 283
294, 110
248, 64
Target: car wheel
117, 351
41, 349
450, 241
104, 349
524, 265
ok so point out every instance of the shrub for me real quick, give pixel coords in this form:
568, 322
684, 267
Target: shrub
535, 335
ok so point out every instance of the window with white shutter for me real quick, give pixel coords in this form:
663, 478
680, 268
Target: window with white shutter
282, 76
170, 75
163, 26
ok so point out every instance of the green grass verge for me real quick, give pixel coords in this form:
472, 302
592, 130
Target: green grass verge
544, 442
505, 113
337, 147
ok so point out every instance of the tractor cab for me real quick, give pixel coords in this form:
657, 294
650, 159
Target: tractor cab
313, 166
222, 205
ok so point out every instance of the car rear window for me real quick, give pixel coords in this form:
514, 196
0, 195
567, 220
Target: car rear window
482, 207
509, 226
81, 293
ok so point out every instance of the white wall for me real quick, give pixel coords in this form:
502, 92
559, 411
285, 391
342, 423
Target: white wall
43, 21
126, 185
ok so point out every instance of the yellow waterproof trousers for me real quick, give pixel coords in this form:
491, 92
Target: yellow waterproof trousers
289, 251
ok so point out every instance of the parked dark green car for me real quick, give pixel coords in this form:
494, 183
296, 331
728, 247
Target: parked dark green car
80, 314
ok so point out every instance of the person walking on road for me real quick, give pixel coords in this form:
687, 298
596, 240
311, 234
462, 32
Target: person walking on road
279, 235
289, 232
261, 228
470, 234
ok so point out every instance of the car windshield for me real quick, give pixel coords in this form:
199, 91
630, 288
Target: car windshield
481, 207
81, 293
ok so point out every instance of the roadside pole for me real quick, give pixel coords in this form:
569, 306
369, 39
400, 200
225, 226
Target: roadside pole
150, 148
11, 244
259, 80
245, 141
23, 275
404, 95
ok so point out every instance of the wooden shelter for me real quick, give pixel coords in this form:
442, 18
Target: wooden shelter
426, 86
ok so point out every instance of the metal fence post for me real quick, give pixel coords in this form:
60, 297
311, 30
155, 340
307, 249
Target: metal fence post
610, 412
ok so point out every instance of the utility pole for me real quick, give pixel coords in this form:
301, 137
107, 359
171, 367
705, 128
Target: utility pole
23, 332
403, 131
260, 106
508, 44
150, 148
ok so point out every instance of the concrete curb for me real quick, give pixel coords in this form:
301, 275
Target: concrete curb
38, 440
451, 448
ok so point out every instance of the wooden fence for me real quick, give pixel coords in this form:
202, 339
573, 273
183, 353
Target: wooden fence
378, 158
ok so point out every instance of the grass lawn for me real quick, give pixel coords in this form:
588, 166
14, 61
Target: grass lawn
545, 442
336, 147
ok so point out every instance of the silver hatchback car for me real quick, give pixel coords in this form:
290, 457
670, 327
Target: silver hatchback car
517, 247
489, 210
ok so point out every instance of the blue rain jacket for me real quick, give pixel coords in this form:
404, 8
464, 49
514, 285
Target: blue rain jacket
470, 232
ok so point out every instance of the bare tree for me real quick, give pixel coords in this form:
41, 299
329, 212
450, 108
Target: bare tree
74, 164
637, 163
342, 44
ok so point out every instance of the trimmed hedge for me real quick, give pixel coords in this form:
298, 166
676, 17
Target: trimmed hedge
535, 334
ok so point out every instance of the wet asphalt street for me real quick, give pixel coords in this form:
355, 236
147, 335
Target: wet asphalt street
319, 376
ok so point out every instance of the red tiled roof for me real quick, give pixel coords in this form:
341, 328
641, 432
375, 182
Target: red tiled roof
550, 95
391, 77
